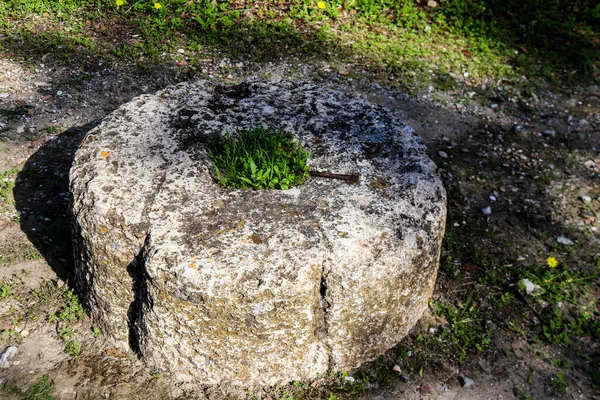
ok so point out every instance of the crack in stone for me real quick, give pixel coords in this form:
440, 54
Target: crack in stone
141, 299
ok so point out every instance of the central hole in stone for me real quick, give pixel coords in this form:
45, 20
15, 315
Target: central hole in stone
258, 158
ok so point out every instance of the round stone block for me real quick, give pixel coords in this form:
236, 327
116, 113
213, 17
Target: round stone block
254, 287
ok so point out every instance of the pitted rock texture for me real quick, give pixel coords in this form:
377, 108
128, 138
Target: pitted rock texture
254, 287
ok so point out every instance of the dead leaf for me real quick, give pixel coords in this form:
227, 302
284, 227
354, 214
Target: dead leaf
316, 383
116, 353
104, 154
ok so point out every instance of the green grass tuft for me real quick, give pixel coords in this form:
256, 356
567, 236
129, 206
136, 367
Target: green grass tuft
259, 159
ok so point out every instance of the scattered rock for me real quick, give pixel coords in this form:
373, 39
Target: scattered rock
528, 286
586, 199
404, 378
432, 3
590, 164
21, 129
397, 369
6, 355
493, 198
564, 240
443, 154
466, 382
549, 132
487, 210
3, 95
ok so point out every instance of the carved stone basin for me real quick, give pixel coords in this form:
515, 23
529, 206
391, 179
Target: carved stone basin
254, 287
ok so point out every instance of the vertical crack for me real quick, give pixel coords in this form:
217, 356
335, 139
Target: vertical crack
141, 299
323, 328
323, 290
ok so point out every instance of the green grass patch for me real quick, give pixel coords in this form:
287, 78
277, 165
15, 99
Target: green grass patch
559, 384
258, 158
5, 289
461, 41
7, 183
562, 301
40, 390
464, 329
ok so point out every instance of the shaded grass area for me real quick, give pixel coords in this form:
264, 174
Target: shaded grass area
468, 41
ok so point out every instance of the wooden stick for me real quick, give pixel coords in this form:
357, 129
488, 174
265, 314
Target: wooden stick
345, 177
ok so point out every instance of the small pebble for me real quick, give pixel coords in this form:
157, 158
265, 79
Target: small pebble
564, 240
549, 132
404, 378
493, 198
443, 154
586, 199
432, 3
397, 369
349, 379
528, 286
6, 355
425, 389
3, 95
466, 382
487, 210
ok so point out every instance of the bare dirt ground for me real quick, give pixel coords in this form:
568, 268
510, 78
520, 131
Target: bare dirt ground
535, 162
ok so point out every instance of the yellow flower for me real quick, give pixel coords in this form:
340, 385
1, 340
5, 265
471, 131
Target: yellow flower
119, 3
321, 5
157, 6
552, 263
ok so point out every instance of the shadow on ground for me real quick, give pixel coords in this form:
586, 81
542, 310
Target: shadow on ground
42, 198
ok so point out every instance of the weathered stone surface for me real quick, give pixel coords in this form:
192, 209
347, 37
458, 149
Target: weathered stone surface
249, 287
